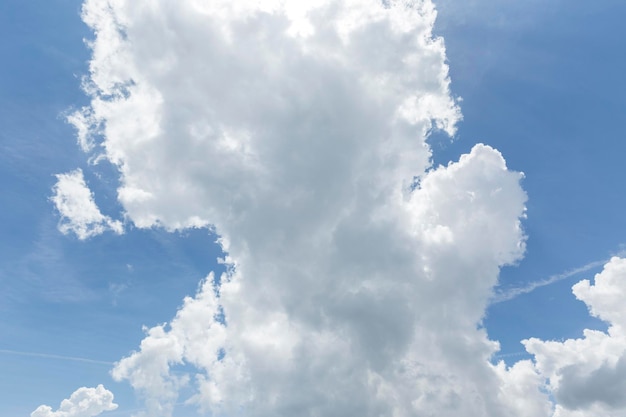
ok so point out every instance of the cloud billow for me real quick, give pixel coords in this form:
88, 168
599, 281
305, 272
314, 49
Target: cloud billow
588, 375
84, 402
358, 272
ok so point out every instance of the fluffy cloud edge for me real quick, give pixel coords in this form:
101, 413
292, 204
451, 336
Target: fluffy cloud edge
587, 376
84, 402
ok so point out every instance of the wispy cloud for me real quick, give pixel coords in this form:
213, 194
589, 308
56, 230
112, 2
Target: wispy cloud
51, 356
511, 293
78, 210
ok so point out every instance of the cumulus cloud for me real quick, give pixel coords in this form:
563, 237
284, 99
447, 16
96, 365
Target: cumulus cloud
588, 375
84, 402
358, 273
79, 213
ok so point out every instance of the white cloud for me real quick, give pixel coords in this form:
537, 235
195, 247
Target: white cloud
359, 274
588, 375
193, 336
79, 212
84, 402
84, 129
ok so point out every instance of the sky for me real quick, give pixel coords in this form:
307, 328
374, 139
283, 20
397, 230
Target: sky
351, 207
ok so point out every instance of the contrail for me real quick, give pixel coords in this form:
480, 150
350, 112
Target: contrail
51, 356
119, 412
512, 354
515, 292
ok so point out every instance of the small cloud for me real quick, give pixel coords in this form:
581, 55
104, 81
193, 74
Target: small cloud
84, 402
83, 121
79, 213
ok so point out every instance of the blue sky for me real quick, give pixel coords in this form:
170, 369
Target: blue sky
540, 83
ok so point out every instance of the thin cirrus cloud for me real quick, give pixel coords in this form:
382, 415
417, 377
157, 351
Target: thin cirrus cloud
358, 273
52, 356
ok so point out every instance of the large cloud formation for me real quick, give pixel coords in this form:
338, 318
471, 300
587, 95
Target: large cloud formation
84, 402
358, 273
